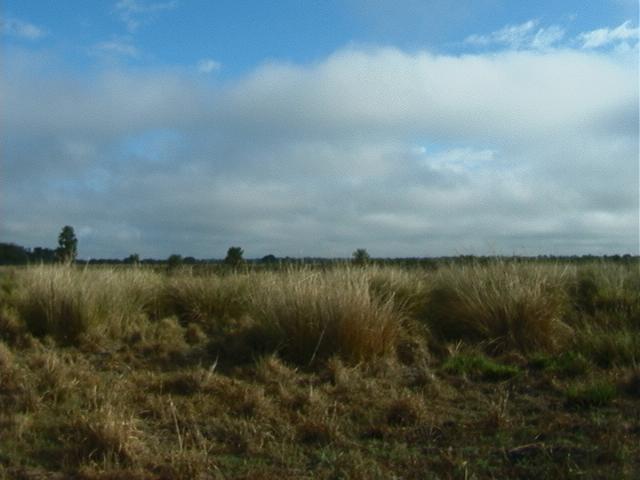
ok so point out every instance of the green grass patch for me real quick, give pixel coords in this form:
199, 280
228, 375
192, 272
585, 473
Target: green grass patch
597, 394
567, 364
479, 366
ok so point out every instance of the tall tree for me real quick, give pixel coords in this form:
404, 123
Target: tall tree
361, 257
132, 259
174, 261
67, 250
234, 257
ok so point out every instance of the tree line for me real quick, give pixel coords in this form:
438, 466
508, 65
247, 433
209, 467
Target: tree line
67, 252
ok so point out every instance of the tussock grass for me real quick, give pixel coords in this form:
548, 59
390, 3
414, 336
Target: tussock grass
609, 291
205, 299
6, 357
11, 327
505, 305
608, 346
66, 302
407, 409
319, 373
109, 434
407, 289
310, 316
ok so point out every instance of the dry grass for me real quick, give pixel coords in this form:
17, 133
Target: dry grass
109, 435
66, 302
502, 304
206, 299
6, 357
310, 316
346, 373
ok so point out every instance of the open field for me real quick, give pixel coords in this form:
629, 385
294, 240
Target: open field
501, 370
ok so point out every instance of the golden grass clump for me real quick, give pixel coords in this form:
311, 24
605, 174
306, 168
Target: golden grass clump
67, 302
407, 288
505, 305
6, 357
109, 434
204, 298
311, 316
11, 327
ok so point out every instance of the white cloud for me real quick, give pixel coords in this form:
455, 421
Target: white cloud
525, 35
118, 47
402, 154
606, 36
512, 35
208, 65
134, 13
18, 28
547, 37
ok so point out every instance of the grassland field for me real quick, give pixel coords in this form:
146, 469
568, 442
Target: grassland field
494, 370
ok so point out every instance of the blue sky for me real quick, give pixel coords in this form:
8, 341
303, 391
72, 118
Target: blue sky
242, 34
405, 127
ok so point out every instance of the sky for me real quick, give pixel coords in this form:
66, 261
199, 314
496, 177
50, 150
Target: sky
313, 128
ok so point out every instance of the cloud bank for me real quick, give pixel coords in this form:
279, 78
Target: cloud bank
405, 154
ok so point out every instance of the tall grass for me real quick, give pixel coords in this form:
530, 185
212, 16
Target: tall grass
66, 302
357, 313
408, 289
204, 299
609, 289
505, 305
606, 314
312, 315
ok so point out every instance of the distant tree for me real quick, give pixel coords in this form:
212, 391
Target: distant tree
361, 257
234, 257
269, 259
132, 259
11, 254
43, 255
67, 250
174, 260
